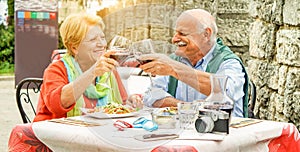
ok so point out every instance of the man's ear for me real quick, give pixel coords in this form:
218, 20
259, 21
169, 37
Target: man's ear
208, 32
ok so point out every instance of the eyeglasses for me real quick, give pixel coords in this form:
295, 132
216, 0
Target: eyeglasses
141, 122
121, 125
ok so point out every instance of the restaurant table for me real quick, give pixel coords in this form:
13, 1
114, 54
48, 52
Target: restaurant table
263, 136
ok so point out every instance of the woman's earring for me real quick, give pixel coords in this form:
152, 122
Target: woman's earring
76, 57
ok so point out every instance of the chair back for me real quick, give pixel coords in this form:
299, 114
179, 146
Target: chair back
57, 54
252, 99
27, 94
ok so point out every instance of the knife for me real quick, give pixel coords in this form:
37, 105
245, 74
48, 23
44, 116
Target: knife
151, 137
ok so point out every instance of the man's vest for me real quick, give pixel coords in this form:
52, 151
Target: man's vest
221, 53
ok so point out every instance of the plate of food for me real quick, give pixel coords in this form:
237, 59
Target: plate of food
110, 110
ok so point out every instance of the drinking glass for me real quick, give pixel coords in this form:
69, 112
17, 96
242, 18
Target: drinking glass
145, 46
120, 45
187, 113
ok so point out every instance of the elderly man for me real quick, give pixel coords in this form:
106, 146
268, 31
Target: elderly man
200, 53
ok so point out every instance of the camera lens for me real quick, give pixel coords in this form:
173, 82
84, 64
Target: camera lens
204, 124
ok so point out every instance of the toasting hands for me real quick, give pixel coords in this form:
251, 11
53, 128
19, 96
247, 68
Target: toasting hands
160, 64
105, 64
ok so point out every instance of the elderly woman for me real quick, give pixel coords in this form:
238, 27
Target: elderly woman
74, 81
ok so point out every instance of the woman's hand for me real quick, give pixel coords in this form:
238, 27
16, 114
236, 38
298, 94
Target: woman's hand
135, 101
105, 64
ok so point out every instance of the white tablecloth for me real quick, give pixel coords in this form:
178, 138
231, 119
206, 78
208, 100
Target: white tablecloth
62, 137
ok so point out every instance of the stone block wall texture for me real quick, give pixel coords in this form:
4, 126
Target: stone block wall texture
264, 33
274, 67
68, 7
155, 19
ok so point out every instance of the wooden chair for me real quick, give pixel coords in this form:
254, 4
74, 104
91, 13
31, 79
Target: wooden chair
27, 94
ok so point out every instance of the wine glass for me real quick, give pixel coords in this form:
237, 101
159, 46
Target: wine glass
145, 46
120, 45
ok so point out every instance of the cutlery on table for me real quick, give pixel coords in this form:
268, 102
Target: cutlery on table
76, 122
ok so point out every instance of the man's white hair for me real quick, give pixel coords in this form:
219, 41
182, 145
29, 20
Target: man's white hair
205, 20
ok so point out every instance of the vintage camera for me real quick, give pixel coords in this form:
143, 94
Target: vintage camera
212, 120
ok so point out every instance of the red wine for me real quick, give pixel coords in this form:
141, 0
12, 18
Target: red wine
144, 61
227, 108
223, 107
119, 57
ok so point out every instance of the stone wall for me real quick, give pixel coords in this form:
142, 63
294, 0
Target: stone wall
68, 7
155, 19
264, 33
275, 58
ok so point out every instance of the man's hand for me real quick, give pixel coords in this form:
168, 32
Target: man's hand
166, 102
160, 64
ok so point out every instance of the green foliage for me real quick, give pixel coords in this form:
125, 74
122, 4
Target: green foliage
7, 45
11, 11
6, 68
60, 43
6, 49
